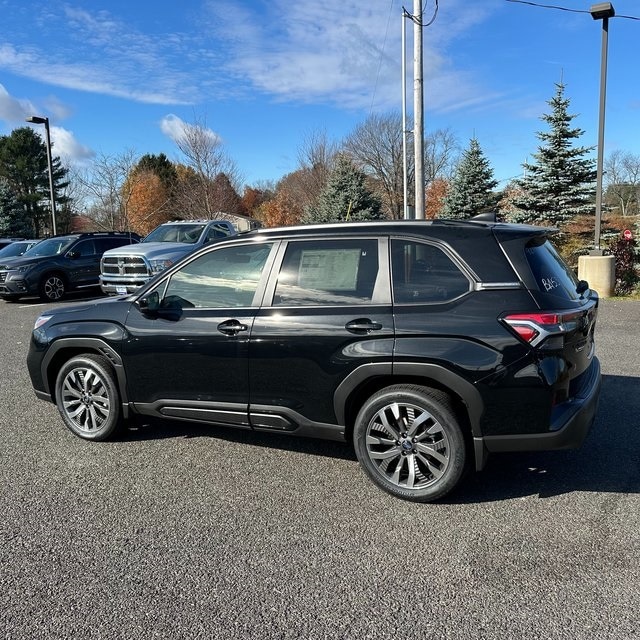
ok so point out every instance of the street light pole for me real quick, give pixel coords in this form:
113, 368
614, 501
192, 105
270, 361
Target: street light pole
602, 11
45, 121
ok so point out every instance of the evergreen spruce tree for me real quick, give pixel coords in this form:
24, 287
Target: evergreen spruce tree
12, 219
345, 198
23, 164
471, 189
561, 183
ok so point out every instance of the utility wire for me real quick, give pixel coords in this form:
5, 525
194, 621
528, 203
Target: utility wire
384, 42
421, 23
553, 6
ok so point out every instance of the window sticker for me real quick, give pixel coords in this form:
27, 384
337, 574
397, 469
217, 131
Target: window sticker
329, 269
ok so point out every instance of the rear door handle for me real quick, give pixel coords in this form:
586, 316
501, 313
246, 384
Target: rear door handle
231, 327
362, 325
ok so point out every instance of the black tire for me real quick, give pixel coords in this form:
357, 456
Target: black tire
52, 287
87, 397
410, 443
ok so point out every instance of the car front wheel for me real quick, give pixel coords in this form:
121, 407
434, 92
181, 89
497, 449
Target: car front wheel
409, 441
52, 288
87, 397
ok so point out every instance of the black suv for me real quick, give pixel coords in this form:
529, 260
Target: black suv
428, 344
58, 264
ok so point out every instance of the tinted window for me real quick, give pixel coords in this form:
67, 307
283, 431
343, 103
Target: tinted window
50, 247
330, 272
188, 233
227, 277
552, 274
423, 273
85, 248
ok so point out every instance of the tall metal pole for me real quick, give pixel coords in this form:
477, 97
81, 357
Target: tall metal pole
418, 109
603, 96
53, 200
405, 179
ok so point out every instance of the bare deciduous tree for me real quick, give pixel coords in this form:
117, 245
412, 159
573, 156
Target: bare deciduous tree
101, 190
623, 181
206, 158
376, 147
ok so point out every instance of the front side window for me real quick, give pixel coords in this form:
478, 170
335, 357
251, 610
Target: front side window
328, 272
84, 249
424, 274
224, 278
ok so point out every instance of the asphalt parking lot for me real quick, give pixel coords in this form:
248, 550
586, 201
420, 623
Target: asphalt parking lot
180, 531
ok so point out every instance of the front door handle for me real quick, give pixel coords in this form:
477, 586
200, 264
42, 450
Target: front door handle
231, 327
362, 325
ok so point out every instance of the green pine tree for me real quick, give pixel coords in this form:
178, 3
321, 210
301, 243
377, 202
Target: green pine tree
471, 189
12, 220
345, 198
23, 164
560, 184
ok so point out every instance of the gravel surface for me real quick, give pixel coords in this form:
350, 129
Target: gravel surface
181, 531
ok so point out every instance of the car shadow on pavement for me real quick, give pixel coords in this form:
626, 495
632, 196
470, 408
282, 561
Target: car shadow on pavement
608, 461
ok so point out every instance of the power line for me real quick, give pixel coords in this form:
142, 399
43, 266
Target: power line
384, 42
553, 6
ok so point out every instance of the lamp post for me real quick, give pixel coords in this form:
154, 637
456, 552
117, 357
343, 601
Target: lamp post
45, 121
601, 11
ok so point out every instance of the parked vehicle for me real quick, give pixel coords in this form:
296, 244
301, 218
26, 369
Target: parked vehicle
59, 264
4, 242
126, 269
16, 248
429, 344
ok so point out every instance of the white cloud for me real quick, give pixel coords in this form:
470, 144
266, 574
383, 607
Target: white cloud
13, 109
344, 52
65, 145
175, 128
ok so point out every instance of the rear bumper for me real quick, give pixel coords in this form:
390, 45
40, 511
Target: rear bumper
571, 425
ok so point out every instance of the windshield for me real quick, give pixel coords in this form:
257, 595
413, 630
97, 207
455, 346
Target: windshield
50, 247
15, 249
187, 233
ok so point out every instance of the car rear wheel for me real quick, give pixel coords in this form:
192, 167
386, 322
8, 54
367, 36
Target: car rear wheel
87, 397
52, 287
409, 441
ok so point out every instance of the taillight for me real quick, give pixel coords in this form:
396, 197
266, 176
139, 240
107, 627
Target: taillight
534, 328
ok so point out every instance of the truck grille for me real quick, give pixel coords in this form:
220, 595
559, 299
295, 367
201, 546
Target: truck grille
124, 266
3, 276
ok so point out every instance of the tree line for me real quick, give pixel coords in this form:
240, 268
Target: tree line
359, 178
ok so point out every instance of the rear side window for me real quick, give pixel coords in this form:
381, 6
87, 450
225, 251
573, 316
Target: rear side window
552, 274
328, 272
424, 274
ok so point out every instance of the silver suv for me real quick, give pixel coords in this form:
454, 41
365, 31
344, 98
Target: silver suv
126, 269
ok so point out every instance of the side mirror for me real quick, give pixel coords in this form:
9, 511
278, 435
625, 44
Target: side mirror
72, 255
149, 304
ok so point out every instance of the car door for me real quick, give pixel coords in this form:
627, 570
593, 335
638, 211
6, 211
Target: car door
187, 358
83, 263
327, 310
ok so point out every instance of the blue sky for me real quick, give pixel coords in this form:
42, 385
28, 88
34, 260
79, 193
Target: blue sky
122, 75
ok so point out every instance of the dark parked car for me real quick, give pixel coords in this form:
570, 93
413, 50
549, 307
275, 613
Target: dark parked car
427, 344
16, 248
59, 264
5, 242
